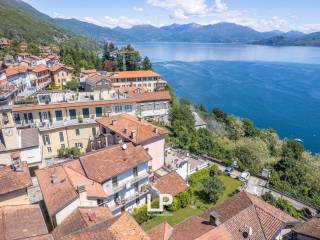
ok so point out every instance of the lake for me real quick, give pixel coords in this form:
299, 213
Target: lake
276, 87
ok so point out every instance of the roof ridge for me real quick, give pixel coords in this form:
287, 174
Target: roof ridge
260, 223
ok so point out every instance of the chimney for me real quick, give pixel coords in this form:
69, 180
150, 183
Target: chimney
214, 219
92, 216
81, 189
126, 130
53, 179
156, 130
113, 122
133, 134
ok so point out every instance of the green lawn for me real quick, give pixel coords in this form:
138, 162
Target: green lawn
198, 206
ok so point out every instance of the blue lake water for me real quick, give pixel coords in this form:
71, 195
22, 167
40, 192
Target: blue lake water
276, 87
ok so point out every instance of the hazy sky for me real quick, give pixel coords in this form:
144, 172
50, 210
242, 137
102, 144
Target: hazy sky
264, 15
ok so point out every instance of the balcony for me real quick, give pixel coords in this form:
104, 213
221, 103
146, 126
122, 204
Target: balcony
43, 126
128, 184
30, 91
123, 202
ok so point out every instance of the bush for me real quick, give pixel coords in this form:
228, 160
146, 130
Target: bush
175, 205
184, 198
214, 171
73, 152
288, 208
141, 214
269, 198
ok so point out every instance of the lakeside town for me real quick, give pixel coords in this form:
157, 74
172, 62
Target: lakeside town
81, 162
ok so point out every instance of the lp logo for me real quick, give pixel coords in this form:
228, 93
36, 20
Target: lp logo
164, 200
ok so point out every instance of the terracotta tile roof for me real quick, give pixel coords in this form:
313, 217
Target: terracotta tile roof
144, 130
133, 74
59, 66
191, 229
310, 228
171, 183
88, 71
22, 222
153, 96
43, 237
11, 71
24, 54
108, 162
11, 180
218, 233
132, 91
161, 232
80, 219
122, 227
59, 194
244, 211
40, 68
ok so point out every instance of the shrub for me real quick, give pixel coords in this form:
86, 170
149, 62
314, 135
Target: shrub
269, 198
213, 188
175, 205
184, 198
214, 171
141, 214
73, 152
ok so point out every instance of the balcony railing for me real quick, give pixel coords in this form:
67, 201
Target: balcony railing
123, 202
64, 123
127, 184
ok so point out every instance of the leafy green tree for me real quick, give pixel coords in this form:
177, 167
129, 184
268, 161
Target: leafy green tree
175, 205
219, 115
33, 49
213, 189
72, 85
184, 198
146, 64
249, 128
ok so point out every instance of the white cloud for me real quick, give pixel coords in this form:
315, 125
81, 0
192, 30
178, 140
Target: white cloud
184, 9
57, 15
137, 9
111, 22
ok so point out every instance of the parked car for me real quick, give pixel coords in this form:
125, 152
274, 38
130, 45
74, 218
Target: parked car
228, 170
244, 176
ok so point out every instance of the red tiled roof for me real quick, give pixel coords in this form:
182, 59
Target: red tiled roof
40, 68
244, 211
144, 130
218, 233
171, 183
122, 227
80, 219
161, 232
58, 195
153, 96
59, 66
22, 222
11, 71
108, 162
310, 228
11, 180
133, 74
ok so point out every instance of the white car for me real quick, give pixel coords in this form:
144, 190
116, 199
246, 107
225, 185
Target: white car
244, 176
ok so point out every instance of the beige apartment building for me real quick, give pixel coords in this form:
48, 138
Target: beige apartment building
61, 74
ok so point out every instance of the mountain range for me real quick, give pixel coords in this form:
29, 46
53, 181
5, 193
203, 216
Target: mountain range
215, 33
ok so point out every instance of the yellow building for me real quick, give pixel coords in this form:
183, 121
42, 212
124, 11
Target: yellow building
61, 74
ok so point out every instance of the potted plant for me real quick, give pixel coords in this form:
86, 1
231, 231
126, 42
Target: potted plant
80, 118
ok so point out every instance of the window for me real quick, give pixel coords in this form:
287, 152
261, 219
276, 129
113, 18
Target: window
85, 112
136, 187
116, 196
115, 181
46, 140
63, 145
135, 171
59, 115
94, 131
61, 136
98, 111
49, 149
73, 114
77, 132
128, 108
138, 201
118, 109
16, 118
78, 145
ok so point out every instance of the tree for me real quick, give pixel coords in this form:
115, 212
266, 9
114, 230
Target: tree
33, 49
146, 64
219, 115
72, 85
249, 129
213, 188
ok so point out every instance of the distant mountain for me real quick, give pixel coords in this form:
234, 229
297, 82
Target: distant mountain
292, 39
28, 21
